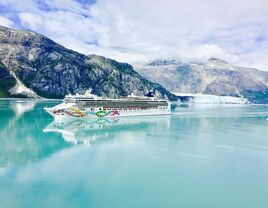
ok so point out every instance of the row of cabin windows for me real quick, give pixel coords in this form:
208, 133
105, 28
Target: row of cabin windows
118, 101
121, 103
128, 109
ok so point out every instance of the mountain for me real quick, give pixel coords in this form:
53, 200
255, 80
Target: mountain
215, 76
44, 68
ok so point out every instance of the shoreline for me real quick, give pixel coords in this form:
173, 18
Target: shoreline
32, 99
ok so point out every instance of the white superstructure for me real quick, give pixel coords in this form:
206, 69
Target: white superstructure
89, 105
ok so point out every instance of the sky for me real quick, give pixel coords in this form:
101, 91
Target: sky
142, 30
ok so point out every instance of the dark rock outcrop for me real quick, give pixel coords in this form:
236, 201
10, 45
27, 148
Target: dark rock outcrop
7, 81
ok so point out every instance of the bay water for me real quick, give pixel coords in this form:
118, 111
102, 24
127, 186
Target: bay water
201, 156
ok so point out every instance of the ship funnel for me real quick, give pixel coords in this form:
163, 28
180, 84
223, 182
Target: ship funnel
150, 94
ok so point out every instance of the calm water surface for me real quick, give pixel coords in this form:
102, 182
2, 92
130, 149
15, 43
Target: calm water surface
200, 157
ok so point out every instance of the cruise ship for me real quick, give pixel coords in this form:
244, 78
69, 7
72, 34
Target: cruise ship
92, 106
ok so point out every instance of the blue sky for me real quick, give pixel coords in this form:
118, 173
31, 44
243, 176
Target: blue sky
140, 30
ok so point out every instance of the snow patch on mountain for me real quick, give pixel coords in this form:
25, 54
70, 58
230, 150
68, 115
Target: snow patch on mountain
21, 89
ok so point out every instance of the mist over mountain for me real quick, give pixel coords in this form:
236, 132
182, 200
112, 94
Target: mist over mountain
215, 76
37, 66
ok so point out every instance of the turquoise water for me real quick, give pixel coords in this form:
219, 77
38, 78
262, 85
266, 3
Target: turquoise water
199, 157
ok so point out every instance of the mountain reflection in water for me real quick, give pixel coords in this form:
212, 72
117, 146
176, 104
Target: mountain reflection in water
21, 137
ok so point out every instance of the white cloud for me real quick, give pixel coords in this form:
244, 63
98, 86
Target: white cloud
5, 22
139, 30
207, 51
31, 20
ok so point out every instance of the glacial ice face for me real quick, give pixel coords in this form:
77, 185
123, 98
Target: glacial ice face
212, 99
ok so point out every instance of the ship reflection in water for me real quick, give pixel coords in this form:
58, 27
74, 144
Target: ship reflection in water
86, 131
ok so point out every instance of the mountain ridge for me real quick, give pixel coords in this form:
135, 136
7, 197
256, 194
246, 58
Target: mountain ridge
215, 76
44, 68
52, 71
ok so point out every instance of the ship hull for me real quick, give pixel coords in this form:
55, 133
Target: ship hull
62, 114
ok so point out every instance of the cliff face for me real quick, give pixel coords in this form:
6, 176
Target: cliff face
7, 82
52, 71
215, 77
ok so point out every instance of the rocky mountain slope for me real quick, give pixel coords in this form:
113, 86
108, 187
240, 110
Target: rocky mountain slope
215, 77
7, 82
44, 68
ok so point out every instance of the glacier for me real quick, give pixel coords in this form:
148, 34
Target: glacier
189, 98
